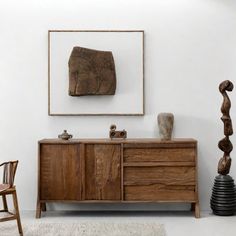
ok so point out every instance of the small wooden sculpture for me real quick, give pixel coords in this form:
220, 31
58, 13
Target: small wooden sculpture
117, 134
224, 144
65, 135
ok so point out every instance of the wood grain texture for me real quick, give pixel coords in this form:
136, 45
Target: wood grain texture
131, 142
158, 154
122, 171
82, 170
102, 172
159, 163
91, 72
158, 192
60, 172
166, 175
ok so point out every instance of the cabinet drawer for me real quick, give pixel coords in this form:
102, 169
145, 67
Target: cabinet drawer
157, 192
159, 154
171, 175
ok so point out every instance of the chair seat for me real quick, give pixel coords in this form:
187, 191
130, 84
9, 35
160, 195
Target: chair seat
4, 187
8, 191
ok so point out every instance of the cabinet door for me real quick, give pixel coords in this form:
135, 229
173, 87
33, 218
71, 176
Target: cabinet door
59, 172
102, 172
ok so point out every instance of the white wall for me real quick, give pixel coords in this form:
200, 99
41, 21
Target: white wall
190, 47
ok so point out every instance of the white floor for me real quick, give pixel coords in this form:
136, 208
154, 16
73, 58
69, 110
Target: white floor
176, 223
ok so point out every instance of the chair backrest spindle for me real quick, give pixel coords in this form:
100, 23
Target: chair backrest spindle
9, 172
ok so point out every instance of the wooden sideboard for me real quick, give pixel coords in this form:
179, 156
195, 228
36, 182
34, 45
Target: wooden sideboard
117, 171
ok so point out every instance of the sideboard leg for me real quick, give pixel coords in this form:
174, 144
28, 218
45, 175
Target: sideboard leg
43, 206
38, 210
197, 210
192, 206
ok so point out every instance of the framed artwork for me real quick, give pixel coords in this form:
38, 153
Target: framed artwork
125, 68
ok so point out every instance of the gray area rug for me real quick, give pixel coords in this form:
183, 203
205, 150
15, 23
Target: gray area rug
84, 229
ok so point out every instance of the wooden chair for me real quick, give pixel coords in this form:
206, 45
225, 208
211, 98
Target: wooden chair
7, 187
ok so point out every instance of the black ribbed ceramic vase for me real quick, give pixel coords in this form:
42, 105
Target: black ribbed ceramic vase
223, 199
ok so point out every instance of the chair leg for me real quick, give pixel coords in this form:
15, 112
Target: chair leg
17, 213
4, 200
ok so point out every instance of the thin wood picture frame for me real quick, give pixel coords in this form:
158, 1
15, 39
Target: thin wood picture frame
127, 103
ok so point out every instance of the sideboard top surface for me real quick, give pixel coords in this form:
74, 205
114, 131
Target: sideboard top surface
120, 141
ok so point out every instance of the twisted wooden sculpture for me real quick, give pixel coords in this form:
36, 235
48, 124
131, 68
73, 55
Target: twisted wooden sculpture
224, 144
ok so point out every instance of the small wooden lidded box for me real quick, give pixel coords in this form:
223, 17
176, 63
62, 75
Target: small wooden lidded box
117, 171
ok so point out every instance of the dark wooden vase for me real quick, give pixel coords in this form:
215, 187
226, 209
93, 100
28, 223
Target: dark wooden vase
223, 199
